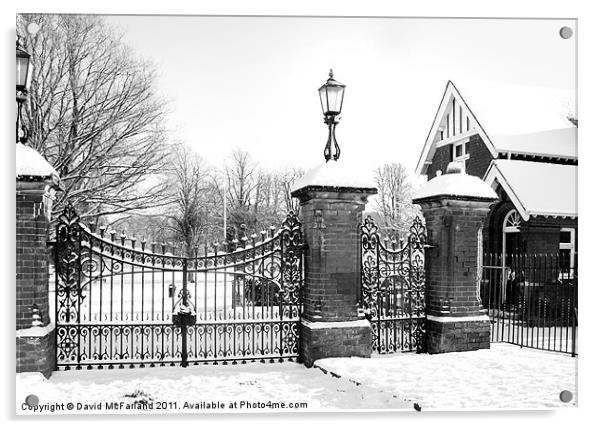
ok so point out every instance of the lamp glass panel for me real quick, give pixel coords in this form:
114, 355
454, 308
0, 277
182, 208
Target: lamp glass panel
22, 65
323, 100
335, 99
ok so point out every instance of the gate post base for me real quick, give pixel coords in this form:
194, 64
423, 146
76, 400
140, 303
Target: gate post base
334, 339
36, 350
457, 334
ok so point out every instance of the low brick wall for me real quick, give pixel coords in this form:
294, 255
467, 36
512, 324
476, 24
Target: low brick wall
326, 342
457, 336
36, 354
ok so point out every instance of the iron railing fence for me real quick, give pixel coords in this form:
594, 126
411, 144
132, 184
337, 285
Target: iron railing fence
532, 300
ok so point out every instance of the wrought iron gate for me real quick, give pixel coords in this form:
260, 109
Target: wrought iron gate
119, 304
393, 288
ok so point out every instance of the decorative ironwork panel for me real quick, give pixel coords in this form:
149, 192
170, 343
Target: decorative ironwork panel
120, 302
393, 288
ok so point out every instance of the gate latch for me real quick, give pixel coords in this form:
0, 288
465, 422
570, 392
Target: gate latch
185, 316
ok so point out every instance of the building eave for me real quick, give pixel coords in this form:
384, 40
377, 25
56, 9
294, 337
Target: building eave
494, 174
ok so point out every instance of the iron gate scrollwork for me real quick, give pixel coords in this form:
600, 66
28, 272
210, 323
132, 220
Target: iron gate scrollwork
119, 302
393, 288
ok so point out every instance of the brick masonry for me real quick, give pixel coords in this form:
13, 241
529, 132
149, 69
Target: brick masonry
452, 280
37, 354
476, 165
332, 289
319, 343
331, 222
451, 267
34, 353
32, 254
445, 337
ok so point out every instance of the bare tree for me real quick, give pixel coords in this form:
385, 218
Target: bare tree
275, 201
395, 198
243, 179
93, 114
189, 187
287, 179
150, 228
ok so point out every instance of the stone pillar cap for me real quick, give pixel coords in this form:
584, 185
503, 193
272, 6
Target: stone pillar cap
455, 184
338, 175
32, 167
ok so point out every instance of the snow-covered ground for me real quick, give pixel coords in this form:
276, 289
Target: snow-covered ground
255, 385
504, 376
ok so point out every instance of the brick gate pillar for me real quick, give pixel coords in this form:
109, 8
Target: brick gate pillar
455, 206
331, 212
36, 181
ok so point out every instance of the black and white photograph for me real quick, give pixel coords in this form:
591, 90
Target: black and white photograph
295, 214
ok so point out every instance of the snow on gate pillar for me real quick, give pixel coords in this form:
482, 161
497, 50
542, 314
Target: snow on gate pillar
331, 212
454, 206
35, 340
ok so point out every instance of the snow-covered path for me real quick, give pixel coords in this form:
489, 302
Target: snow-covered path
258, 384
505, 376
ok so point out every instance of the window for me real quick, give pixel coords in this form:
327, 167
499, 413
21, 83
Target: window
510, 229
566, 253
512, 221
460, 153
459, 150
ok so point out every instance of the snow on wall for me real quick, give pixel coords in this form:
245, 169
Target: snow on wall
31, 163
456, 184
337, 174
35, 331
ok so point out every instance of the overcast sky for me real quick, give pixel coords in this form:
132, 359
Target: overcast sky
252, 82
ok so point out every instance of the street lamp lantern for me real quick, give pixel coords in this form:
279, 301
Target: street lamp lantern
23, 79
23, 69
331, 98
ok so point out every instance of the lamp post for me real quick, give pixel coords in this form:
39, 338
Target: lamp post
23, 80
331, 98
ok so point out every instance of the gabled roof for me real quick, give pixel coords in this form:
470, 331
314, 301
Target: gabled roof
496, 110
537, 188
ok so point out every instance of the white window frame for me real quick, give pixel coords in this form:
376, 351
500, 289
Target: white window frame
462, 158
568, 246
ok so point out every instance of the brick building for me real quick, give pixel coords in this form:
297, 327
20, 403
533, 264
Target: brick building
520, 142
